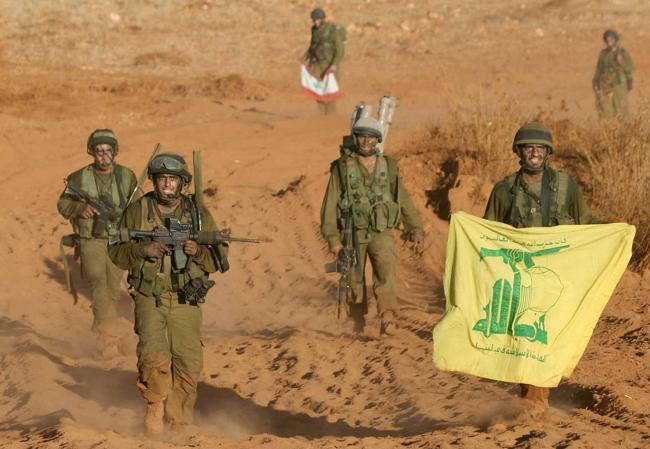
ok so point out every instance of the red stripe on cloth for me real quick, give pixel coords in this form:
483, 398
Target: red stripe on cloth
324, 98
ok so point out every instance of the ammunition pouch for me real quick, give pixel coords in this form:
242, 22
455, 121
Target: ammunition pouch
385, 215
72, 241
195, 291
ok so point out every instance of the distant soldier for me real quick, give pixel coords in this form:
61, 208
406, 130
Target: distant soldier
613, 78
115, 183
366, 186
325, 52
537, 196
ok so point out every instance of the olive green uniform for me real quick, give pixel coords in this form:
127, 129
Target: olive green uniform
566, 203
612, 81
325, 49
170, 355
102, 275
519, 204
378, 201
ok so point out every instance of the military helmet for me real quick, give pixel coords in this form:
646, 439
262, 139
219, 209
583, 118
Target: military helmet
611, 33
368, 126
169, 164
317, 13
533, 133
99, 136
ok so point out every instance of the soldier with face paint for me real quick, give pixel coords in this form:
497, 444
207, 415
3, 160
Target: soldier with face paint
104, 177
537, 196
368, 185
170, 354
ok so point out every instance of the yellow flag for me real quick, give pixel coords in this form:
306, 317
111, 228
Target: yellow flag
522, 303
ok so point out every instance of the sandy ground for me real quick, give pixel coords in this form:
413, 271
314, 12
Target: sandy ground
280, 370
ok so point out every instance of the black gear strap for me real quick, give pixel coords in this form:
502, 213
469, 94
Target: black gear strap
546, 198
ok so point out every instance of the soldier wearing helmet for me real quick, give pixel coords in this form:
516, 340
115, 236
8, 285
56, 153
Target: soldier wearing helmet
613, 78
170, 357
104, 178
325, 52
537, 196
367, 185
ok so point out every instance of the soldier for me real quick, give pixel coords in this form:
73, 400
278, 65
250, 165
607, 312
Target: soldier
537, 196
325, 52
613, 78
116, 182
170, 357
368, 184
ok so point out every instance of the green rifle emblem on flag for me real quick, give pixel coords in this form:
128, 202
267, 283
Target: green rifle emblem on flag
519, 308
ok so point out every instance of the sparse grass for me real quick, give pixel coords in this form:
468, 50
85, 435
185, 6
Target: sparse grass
611, 161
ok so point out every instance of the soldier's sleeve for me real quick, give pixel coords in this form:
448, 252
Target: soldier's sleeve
579, 209
205, 259
328, 211
339, 49
627, 64
498, 206
68, 205
126, 254
410, 215
308, 54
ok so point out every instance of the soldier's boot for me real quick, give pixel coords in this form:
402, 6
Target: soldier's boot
358, 318
153, 420
388, 326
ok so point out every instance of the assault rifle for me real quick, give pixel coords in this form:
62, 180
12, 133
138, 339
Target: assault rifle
347, 264
175, 234
108, 211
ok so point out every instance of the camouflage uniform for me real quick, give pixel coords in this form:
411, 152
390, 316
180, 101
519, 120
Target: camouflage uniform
325, 49
103, 277
518, 204
612, 81
374, 225
170, 355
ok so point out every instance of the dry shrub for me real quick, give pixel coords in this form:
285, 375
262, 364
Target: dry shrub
480, 137
614, 158
611, 160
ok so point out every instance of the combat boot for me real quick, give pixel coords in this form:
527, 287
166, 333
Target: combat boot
388, 326
358, 318
153, 420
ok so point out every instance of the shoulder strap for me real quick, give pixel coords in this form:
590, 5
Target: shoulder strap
546, 198
120, 180
512, 217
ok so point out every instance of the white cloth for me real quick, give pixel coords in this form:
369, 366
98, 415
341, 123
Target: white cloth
324, 90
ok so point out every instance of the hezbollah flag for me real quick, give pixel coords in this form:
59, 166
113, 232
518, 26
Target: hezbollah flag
522, 303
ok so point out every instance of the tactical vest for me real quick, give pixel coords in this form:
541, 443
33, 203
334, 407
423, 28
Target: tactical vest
611, 72
373, 205
146, 275
120, 185
526, 207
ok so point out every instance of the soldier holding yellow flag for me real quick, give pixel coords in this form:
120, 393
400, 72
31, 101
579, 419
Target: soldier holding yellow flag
537, 196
